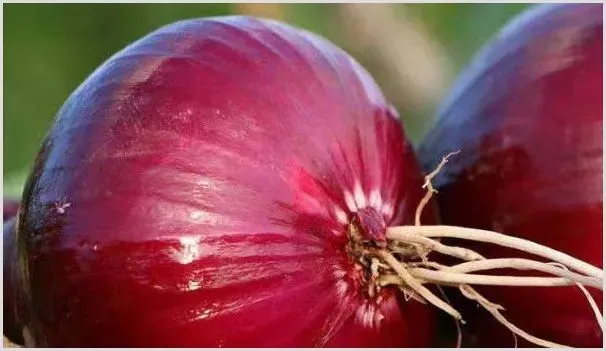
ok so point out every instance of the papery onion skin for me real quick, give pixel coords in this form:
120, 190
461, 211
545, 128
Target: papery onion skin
527, 117
195, 190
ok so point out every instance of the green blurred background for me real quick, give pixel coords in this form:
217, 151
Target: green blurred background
413, 50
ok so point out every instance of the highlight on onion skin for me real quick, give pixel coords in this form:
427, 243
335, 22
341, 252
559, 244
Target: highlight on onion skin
197, 190
527, 117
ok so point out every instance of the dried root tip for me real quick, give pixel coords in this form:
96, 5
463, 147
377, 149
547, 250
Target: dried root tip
430, 189
457, 324
471, 294
437, 170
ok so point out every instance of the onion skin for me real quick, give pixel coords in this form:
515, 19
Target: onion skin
195, 190
527, 117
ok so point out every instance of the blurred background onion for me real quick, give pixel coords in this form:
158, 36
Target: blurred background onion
412, 50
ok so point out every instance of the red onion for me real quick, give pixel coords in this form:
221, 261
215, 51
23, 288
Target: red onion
197, 190
527, 117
